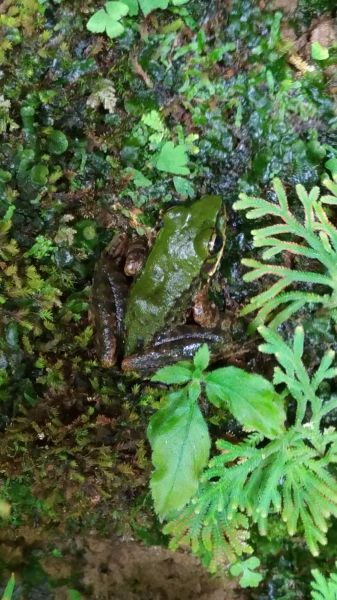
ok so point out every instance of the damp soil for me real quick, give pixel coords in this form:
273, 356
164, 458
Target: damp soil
117, 569
131, 571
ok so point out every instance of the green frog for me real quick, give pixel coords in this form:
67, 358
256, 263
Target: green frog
142, 325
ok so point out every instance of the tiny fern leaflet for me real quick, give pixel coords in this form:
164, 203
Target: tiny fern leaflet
322, 588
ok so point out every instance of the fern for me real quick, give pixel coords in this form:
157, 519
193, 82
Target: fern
311, 238
204, 526
322, 588
289, 475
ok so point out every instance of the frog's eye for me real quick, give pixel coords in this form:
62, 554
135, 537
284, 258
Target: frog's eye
215, 244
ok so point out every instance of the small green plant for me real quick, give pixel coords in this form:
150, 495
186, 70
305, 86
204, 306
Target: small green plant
178, 432
41, 248
323, 588
108, 19
168, 150
310, 239
173, 159
276, 469
245, 569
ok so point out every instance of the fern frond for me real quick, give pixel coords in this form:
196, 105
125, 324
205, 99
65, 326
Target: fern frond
217, 540
292, 372
289, 476
312, 236
323, 588
289, 479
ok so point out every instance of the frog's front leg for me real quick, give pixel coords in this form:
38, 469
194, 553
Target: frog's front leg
110, 290
205, 312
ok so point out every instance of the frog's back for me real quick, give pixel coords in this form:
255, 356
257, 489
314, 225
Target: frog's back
161, 294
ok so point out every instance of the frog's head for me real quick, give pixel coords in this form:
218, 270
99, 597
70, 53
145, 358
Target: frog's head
208, 224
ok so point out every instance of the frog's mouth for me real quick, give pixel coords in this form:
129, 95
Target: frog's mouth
216, 246
216, 249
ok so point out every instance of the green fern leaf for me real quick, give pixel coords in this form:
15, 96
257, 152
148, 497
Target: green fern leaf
322, 588
312, 237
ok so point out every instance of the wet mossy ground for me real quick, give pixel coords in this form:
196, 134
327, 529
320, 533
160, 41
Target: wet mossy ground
77, 164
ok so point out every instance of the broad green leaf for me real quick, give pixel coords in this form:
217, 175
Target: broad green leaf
57, 142
173, 159
246, 568
214, 393
172, 374
9, 589
194, 390
133, 7
180, 445
148, 6
318, 52
201, 358
251, 399
184, 187
179, 2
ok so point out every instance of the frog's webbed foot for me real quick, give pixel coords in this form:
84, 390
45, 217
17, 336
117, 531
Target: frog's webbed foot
135, 257
179, 344
129, 254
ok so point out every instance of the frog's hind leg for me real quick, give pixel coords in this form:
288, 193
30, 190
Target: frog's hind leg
109, 293
179, 344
